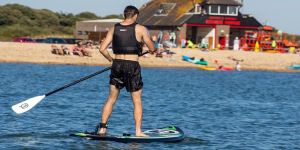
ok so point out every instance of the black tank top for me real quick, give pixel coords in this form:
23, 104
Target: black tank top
124, 40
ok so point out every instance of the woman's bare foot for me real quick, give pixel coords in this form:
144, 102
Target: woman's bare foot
141, 135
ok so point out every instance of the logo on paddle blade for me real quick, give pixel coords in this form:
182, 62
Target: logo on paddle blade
24, 106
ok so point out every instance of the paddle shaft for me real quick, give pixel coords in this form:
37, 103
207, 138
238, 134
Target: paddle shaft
82, 79
217, 63
75, 82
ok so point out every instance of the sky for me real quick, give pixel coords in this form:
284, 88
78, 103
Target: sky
281, 14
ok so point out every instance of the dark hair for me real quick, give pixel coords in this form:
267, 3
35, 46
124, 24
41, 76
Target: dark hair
130, 11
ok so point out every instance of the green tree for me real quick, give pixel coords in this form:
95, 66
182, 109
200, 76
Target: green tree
26, 11
45, 18
9, 16
87, 15
113, 17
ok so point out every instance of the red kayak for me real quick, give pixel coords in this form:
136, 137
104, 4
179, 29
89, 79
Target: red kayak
225, 69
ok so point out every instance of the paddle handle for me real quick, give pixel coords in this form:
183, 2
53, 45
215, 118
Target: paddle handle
82, 79
75, 82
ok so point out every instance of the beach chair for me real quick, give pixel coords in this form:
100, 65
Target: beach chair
292, 50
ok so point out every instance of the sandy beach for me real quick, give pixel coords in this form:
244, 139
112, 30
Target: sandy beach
41, 54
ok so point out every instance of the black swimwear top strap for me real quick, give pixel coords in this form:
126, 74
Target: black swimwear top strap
103, 125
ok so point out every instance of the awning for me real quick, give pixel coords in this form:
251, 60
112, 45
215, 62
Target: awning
268, 28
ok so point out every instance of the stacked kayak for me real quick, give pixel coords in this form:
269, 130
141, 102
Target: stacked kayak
293, 68
195, 61
214, 69
295, 65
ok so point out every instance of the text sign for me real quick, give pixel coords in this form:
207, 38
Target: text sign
223, 21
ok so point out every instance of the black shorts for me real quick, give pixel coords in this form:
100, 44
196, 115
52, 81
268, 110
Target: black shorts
126, 73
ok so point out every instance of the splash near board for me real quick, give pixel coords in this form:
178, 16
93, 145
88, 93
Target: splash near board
166, 134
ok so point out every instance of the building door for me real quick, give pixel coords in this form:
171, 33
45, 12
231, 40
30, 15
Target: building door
194, 36
210, 42
222, 42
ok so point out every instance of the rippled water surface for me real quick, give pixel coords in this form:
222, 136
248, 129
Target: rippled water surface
217, 110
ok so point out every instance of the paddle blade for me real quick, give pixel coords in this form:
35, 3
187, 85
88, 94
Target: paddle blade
216, 61
27, 105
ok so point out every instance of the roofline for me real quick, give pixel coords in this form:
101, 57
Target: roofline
243, 27
238, 4
104, 20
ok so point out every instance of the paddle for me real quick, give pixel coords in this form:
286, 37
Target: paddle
28, 104
216, 62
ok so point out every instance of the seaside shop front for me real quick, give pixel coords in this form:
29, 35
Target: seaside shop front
223, 30
209, 22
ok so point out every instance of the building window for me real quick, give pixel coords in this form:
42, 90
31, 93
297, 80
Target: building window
223, 10
79, 32
86, 32
214, 9
232, 10
161, 10
164, 9
196, 10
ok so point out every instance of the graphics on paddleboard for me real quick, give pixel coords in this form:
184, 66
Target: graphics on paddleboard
166, 134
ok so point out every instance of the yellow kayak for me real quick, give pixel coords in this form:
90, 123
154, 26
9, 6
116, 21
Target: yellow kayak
207, 68
213, 69
270, 51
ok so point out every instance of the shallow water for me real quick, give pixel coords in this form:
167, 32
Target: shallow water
217, 110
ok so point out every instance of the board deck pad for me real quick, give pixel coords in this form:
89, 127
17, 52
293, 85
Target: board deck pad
166, 134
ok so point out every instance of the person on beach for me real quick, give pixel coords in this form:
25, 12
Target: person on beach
89, 44
238, 66
76, 50
159, 51
64, 48
236, 44
154, 40
126, 38
190, 44
79, 43
83, 50
234, 59
221, 66
56, 50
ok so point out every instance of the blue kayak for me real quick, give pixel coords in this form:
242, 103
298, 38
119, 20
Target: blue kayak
195, 61
292, 67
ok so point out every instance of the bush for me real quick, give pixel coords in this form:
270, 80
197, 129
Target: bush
10, 32
22, 21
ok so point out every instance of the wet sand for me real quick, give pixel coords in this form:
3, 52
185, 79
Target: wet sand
41, 54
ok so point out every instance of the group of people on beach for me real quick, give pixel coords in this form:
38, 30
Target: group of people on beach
162, 49
78, 49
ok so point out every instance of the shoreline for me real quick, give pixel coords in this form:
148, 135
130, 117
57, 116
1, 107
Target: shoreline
41, 54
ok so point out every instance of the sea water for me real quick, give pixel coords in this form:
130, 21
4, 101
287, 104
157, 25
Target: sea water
216, 109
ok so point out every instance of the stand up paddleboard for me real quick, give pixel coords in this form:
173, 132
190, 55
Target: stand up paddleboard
166, 134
